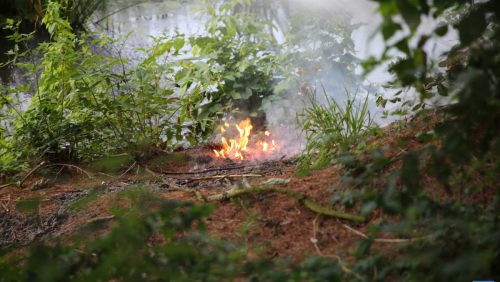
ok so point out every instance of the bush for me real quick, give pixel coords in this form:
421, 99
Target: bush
83, 107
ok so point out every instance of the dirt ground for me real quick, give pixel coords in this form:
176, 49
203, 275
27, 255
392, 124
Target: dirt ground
273, 223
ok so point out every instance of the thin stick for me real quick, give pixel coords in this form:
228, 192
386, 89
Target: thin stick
174, 186
398, 240
72, 166
226, 176
302, 199
202, 171
7, 185
128, 169
150, 171
118, 11
314, 240
102, 218
43, 165
105, 174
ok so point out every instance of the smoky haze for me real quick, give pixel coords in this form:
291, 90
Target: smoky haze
358, 22
341, 33
332, 35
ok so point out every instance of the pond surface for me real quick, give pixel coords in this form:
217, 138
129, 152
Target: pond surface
141, 19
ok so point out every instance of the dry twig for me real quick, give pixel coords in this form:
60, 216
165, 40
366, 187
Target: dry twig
225, 176
237, 192
203, 171
102, 218
127, 171
398, 240
314, 240
43, 165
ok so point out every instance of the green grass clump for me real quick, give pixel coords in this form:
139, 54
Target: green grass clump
332, 128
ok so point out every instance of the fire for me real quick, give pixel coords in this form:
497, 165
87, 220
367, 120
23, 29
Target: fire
238, 148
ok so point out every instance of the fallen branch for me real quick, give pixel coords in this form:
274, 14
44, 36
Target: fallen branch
20, 183
225, 176
314, 240
127, 171
40, 166
202, 171
398, 240
7, 185
237, 192
102, 218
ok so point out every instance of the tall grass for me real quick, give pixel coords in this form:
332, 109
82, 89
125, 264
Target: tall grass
332, 128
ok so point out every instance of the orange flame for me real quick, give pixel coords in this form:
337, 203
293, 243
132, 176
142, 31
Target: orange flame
238, 148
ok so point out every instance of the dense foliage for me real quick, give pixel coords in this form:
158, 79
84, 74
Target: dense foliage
83, 107
463, 235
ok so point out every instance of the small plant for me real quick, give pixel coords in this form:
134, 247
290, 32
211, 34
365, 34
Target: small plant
332, 128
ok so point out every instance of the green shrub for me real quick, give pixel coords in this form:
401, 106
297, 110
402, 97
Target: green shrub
232, 67
84, 108
459, 236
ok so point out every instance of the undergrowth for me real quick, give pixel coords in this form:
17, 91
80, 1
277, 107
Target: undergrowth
157, 240
444, 194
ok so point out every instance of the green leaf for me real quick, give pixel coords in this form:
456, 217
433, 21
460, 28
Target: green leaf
178, 43
389, 28
410, 172
472, 26
235, 95
410, 13
442, 30
247, 94
442, 90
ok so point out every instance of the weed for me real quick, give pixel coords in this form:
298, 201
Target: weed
332, 128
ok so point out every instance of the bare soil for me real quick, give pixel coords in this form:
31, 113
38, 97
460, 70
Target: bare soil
272, 224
